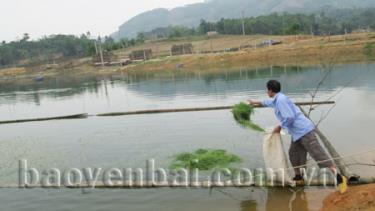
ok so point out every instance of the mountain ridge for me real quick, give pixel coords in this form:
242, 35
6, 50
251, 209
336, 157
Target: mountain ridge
190, 15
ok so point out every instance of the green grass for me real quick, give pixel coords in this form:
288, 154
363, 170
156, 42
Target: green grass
204, 159
368, 49
242, 114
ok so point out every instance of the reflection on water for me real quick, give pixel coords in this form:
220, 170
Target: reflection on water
287, 199
165, 199
280, 199
131, 92
129, 141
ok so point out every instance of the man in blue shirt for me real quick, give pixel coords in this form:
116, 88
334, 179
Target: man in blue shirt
302, 131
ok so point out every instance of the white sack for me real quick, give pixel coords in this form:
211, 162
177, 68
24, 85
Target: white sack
275, 159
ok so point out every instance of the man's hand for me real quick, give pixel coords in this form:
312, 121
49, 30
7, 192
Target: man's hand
277, 129
254, 102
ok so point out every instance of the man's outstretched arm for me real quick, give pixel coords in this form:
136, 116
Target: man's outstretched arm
254, 102
265, 103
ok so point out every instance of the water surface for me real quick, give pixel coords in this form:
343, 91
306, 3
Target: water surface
129, 141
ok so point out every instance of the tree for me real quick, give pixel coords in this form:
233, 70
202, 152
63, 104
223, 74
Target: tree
25, 37
141, 37
124, 42
203, 27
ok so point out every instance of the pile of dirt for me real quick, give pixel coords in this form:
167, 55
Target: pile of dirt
356, 198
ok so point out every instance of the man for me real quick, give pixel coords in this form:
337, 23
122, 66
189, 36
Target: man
302, 131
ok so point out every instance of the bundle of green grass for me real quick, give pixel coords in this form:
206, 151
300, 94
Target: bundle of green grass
242, 114
204, 159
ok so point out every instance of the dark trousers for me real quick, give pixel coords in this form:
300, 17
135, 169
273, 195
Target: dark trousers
308, 144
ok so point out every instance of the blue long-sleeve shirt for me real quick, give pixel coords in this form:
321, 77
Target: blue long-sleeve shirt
290, 116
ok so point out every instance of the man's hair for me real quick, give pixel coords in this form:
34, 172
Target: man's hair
274, 86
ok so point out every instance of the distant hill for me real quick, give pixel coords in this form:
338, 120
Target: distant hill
213, 10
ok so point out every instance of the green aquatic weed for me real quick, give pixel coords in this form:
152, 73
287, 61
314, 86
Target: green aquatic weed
204, 159
242, 114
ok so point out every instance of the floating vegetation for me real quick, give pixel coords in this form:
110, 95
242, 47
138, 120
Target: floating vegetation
242, 114
204, 159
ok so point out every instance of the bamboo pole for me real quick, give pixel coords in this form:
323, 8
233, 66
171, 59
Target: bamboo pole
202, 184
85, 115
156, 111
76, 116
341, 165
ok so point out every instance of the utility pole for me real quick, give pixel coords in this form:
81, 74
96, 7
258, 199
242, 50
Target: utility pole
96, 47
283, 20
212, 48
243, 23
101, 51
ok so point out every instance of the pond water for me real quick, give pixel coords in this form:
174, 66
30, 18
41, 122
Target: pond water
128, 141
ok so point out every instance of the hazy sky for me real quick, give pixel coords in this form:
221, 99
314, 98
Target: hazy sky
45, 17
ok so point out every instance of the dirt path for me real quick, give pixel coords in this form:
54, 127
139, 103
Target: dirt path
356, 198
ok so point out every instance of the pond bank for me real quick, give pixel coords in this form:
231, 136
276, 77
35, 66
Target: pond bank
303, 51
356, 198
320, 50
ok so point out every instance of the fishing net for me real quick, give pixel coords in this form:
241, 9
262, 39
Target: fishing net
275, 159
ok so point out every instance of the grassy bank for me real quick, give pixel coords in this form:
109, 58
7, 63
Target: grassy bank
294, 51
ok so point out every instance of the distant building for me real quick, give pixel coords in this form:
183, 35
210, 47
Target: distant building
270, 42
362, 30
144, 54
212, 33
107, 57
186, 48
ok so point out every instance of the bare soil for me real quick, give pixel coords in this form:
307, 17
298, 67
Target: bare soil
356, 198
